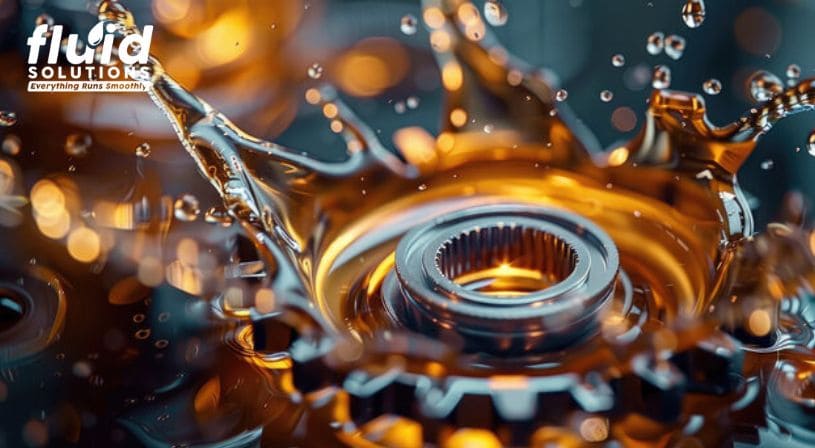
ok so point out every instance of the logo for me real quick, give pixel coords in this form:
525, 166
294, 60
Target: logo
99, 64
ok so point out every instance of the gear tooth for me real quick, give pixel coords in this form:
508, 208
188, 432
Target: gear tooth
373, 396
654, 389
713, 365
515, 405
593, 394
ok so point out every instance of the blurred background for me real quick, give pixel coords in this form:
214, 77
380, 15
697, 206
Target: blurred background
254, 59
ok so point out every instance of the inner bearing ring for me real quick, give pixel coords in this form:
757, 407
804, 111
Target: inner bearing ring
575, 261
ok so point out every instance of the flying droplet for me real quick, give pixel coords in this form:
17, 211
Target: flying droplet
693, 13
422, 187
661, 78
77, 145
408, 24
811, 143
674, 46
767, 165
561, 95
606, 96
315, 71
412, 102
764, 85
793, 72
495, 13
186, 208
618, 60
399, 107
7, 118
143, 150
712, 86
655, 44
488, 128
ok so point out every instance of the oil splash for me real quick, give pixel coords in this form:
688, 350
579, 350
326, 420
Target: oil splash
700, 304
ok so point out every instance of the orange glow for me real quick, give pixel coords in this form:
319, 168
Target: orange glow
594, 429
451, 76
472, 438
47, 199
114, 214
313, 96
330, 110
54, 227
418, 147
618, 157
226, 40
433, 17
187, 252
265, 300
458, 117
336, 126
371, 66
760, 322
208, 396
84, 244
440, 40
171, 11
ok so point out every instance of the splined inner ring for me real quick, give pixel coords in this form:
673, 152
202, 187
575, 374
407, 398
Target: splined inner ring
504, 279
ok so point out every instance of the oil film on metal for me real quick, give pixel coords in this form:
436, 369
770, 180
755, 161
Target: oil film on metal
408, 224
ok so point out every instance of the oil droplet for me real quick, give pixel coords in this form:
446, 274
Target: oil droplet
12, 145
712, 86
811, 143
606, 96
412, 102
186, 208
7, 118
561, 95
674, 46
84, 244
408, 24
693, 13
618, 60
76, 145
495, 13
793, 72
661, 78
399, 107
143, 150
488, 128
764, 85
422, 187
767, 165
655, 43
315, 71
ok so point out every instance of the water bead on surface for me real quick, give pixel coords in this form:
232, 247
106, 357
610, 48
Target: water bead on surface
661, 78
712, 86
606, 96
655, 43
618, 60
408, 24
793, 71
495, 13
693, 13
674, 46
